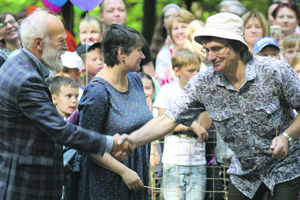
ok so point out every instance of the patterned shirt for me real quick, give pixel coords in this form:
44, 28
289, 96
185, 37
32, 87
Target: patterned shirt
4, 52
246, 119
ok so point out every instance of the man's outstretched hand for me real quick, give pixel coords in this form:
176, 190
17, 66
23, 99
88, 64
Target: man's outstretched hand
122, 147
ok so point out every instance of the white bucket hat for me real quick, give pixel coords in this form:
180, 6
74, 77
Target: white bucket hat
71, 60
223, 25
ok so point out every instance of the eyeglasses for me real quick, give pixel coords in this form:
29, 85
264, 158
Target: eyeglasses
4, 24
214, 50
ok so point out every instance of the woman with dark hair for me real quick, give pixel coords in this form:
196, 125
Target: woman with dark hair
8, 34
287, 15
114, 102
161, 38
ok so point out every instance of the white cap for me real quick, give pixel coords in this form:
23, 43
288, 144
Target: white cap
71, 60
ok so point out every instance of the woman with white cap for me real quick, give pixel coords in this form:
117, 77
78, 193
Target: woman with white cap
161, 38
176, 28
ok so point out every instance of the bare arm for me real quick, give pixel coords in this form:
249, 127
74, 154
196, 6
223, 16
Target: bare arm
148, 69
280, 149
154, 155
204, 120
179, 127
129, 176
152, 130
197, 128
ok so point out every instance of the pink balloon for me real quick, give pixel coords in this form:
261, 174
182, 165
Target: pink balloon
51, 6
86, 5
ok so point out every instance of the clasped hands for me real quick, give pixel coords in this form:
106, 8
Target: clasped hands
122, 148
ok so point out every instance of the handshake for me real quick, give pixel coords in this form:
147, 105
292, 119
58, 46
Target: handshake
123, 146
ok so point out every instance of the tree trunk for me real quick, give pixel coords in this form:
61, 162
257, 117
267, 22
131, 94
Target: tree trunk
149, 19
68, 16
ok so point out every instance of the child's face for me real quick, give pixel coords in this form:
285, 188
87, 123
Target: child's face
269, 51
70, 73
67, 100
291, 52
297, 69
148, 88
186, 72
95, 63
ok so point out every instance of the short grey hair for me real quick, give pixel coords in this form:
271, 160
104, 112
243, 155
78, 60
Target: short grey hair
34, 26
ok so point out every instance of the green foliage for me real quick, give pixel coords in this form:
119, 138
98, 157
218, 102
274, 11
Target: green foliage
201, 8
16, 5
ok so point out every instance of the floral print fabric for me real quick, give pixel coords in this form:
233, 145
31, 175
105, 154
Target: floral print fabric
246, 119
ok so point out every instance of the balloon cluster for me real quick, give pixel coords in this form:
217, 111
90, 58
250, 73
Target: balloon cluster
55, 5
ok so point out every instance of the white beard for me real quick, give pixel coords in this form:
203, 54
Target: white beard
51, 58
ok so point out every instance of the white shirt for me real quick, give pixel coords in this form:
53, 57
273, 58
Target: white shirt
178, 150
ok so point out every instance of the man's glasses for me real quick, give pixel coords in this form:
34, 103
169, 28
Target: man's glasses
214, 50
4, 24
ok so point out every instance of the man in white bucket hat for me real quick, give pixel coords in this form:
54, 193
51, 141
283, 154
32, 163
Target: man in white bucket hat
250, 100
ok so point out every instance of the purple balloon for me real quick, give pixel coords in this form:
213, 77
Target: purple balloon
51, 6
86, 5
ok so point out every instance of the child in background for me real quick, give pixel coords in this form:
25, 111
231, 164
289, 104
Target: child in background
155, 159
94, 61
184, 171
296, 64
94, 33
65, 93
267, 46
291, 46
191, 30
72, 68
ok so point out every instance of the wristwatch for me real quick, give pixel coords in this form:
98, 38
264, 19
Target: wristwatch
290, 140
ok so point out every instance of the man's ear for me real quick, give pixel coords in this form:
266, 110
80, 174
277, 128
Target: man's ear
38, 43
54, 99
177, 71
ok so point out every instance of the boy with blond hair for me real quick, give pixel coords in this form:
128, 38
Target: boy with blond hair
184, 154
92, 58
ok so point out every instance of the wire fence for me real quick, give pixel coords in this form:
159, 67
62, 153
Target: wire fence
216, 180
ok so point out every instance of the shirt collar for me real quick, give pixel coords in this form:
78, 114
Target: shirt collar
250, 74
44, 71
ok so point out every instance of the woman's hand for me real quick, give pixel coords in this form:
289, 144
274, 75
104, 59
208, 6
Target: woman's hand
132, 180
200, 131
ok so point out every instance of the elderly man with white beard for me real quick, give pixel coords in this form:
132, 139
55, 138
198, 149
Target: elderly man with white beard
32, 132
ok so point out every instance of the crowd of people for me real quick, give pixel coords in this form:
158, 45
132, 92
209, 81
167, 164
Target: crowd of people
116, 118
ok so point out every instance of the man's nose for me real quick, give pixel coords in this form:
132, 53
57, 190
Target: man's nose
65, 46
211, 56
117, 12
